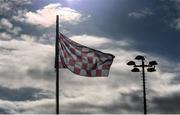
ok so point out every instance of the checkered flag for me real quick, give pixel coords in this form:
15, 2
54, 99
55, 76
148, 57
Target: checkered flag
82, 60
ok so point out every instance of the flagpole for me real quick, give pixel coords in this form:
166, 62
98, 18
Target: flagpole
57, 64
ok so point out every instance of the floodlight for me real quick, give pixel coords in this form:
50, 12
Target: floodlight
135, 70
131, 63
151, 69
153, 63
139, 57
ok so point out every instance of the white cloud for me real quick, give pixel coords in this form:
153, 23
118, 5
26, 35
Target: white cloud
141, 13
4, 23
9, 27
15, 30
29, 107
19, 15
21, 57
29, 55
120, 80
90, 40
5, 36
176, 22
99, 42
46, 16
103, 92
8, 5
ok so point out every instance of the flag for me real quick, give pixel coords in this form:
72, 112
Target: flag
82, 60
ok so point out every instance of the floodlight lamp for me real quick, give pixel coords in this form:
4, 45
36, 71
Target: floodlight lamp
139, 57
135, 70
153, 63
151, 69
131, 63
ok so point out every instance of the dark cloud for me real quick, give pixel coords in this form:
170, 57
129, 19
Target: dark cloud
3, 111
176, 80
22, 94
129, 103
6, 49
167, 104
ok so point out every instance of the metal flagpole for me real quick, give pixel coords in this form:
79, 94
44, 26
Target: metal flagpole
57, 64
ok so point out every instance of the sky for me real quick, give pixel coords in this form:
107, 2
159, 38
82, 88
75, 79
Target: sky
124, 28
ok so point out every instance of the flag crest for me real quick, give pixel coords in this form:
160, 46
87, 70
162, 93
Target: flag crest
82, 60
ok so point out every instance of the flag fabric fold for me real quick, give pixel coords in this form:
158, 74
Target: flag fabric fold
82, 60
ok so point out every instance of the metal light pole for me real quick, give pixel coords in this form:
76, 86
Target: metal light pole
151, 68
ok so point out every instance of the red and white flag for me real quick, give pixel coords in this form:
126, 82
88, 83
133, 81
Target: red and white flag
82, 60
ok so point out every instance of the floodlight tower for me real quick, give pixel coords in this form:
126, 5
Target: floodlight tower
151, 68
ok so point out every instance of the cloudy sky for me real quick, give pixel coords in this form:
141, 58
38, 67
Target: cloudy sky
125, 28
